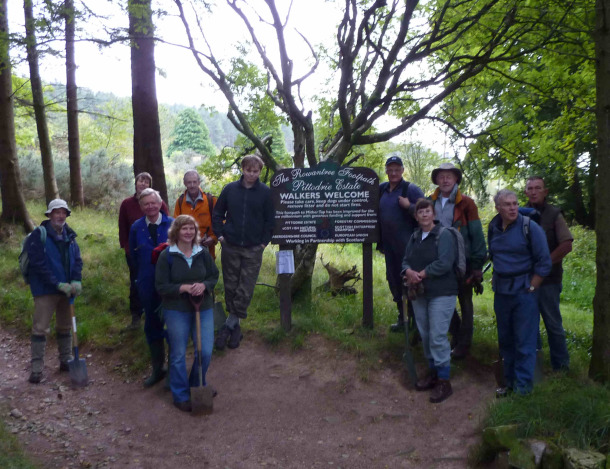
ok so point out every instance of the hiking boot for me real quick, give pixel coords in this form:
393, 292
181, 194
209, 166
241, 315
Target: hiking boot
442, 390
37, 346
63, 366
460, 352
428, 382
35, 377
399, 326
236, 337
222, 337
157, 358
184, 406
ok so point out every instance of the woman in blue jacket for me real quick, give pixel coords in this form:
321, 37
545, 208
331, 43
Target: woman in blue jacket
428, 267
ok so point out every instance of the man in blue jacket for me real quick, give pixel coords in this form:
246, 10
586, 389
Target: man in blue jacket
397, 199
243, 220
144, 235
54, 274
521, 258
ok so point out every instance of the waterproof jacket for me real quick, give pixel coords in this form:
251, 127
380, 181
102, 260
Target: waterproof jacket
466, 220
200, 212
140, 248
169, 278
437, 256
516, 258
58, 261
244, 216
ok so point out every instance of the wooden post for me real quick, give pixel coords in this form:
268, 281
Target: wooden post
285, 302
367, 285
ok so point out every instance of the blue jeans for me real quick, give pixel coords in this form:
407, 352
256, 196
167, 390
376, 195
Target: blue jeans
181, 325
548, 304
433, 316
517, 319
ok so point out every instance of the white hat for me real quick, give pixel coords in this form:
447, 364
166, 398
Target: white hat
57, 203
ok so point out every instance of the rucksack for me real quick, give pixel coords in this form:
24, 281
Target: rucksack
156, 252
209, 196
24, 258
459, 265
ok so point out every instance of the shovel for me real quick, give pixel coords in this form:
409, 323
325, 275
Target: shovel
202, 397
408, 355
77, 366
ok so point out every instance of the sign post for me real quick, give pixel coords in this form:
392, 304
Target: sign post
329, 204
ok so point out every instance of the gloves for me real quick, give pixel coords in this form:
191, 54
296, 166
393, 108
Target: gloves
77, 287
65, 288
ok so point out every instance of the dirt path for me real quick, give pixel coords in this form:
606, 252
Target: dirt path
274, 409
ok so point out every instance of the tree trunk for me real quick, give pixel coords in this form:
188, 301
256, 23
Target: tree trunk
76, 183
147, 154
13, 203
50, 184
599, 368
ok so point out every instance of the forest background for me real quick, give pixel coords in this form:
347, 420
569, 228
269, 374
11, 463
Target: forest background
512, 85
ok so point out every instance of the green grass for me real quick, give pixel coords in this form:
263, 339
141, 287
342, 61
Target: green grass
103, 311
11, 454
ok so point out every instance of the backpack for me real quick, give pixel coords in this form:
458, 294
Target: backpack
156, 252
24, 258
459, 265
208, 196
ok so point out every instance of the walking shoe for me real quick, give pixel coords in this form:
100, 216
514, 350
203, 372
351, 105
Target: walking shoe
428, 382
35, 377
442, 390
460, 352
398, 327
184, 406
63, 366
222, 337
236, 337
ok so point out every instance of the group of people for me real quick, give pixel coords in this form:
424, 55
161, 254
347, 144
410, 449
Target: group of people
172, 270
419, 238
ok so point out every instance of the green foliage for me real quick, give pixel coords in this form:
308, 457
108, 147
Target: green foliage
571, 412
191, 133
535, 115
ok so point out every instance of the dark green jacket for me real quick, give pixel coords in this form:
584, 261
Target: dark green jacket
168, 279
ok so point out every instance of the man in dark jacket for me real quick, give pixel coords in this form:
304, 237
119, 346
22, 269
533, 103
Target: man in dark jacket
243, 220
54, 273
129, 212
397, 199
559, 239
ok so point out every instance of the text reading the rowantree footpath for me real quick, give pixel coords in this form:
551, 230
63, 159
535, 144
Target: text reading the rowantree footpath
325, 204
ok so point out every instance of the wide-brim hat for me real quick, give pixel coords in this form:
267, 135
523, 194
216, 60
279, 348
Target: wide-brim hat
55, 204
447, 167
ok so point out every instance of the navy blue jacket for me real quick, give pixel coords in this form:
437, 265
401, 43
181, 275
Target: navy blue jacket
245, 217
140, 248
515, 259
47, 267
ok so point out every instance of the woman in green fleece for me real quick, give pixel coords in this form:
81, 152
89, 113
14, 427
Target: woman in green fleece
186, 269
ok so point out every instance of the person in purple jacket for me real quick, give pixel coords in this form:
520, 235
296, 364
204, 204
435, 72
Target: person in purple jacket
54, 274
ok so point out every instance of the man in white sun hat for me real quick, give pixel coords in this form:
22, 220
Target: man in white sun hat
54, 274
